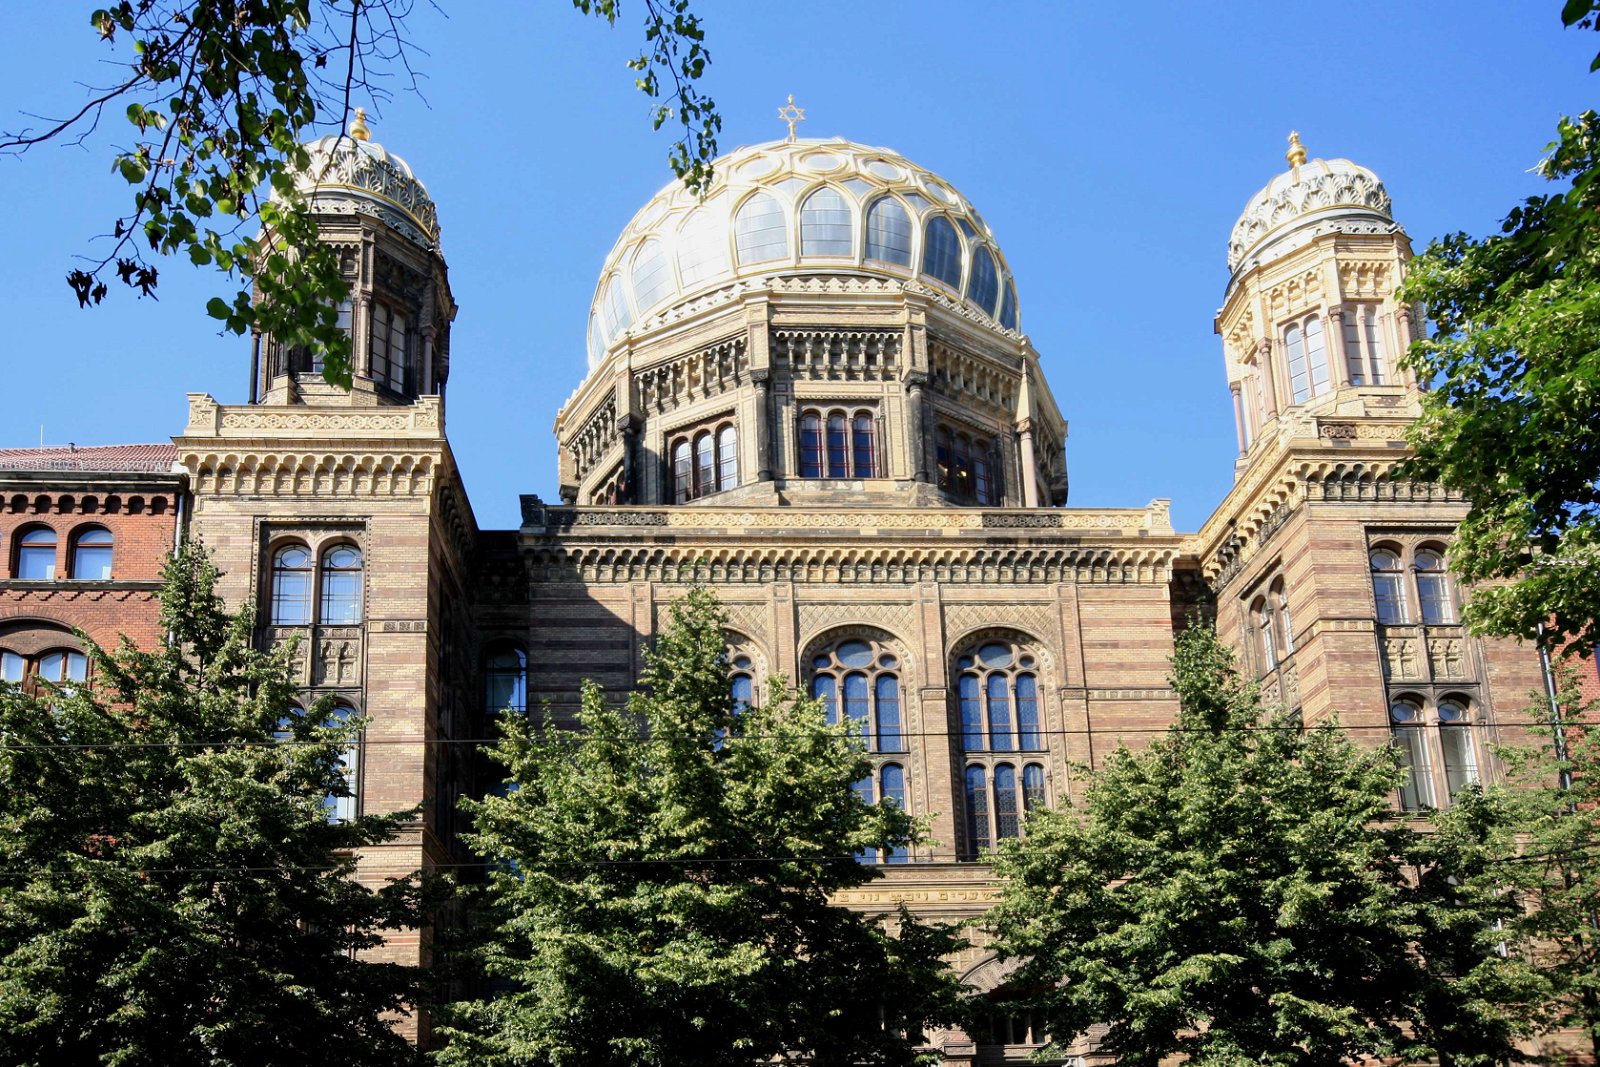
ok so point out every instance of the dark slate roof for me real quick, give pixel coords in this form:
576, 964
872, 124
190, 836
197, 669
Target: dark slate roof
108, 458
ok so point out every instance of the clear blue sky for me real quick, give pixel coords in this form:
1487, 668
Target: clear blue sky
1110, 147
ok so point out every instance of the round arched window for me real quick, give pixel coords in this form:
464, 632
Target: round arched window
858, 682
998, 690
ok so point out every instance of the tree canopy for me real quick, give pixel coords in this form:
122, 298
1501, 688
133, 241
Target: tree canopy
660, 884
1512, 418
172, 890
221, 96
1238, 893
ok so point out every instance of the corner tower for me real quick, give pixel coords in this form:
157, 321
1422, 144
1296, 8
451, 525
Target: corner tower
1309, 322
373, 211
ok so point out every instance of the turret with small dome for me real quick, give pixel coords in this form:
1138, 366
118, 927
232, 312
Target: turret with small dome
1309, 322
828, 321
372, 209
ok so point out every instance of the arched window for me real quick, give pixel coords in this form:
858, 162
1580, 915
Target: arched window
1299, 380
91, 554
62, 665
863, 452
889, 232
13, 667
759, 231
1317, 355
838, 447
811, 445
341, 586
826, 226
1285, 622
682, 472
615, 307
1363, 352
291, 586
705, 465
505, 672
982, 485
1308, 358
1455, 742
961, 464
941, 457
650, 276
998, 691
838, 444
1410, 737
1388, 587
1266, 633
36, 555
983, 288
702, 249
1437, 748
1033, 797
727, 458
344, 805
1433, 588
941, 252
892, 790
860, 680
742, 684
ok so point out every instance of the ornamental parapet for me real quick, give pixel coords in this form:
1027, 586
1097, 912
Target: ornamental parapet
423, 418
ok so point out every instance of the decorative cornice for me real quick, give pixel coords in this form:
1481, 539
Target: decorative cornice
420, 419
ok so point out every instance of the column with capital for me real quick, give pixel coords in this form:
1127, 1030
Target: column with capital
1238, 417
917, 438
762, 379
1030, 468
1269, 377
1338, 372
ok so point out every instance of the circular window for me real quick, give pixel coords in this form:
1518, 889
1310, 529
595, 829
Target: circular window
855, 654
819, 161
1450, 711
294, 558
1400, 711
885, 170
820, 662
994, 656
758, 167
887, 662
742, 662
1025, 661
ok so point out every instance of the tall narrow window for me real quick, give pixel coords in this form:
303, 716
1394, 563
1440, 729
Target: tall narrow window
506, 682
1354, 360
811, 445
888, 714
742, 687
1285, 621
1033, 797
341, 586
1299, 380
1267, 633
1006, 821
702, 248
983, 288
1388, 587
291, 586
980, 476
942, 458
977, 811
862, 441
91, 554
1433, 588
1455, 740
705, 465
1375, 353
892, 791
1028, 713
825, 689
342, 806
972, 733
999, 701
682, 473
390, 348
1316, 356
855, 703
36, 555
650, 275
838, 447
1410, 737
727, 458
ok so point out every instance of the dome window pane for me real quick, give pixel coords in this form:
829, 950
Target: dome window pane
983, 288
615, 307
941, 252
759, 232
826, 226
889, 232
702, 249
1008, 308
651, 278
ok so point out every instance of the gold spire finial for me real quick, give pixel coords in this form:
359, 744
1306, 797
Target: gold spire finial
791, 114
358, 126
1297, 151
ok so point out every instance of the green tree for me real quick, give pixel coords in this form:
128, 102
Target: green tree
1546, 814
172, 891
1239, 893
221, 96
1513, 416
660, 883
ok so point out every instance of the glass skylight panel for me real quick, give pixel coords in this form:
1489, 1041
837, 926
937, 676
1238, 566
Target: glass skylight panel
889, 232
651, 278
984, 286
759, 232
826, 227
1008, 309
702, 249
941, 252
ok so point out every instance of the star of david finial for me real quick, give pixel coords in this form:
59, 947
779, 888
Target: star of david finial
791, 114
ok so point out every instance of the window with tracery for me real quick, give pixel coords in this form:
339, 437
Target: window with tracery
858, 682
1412, 583
998, 691
1272, 627
998, 799
341, 586
60, 666
1437, 748
965, 465
839, 443
704, 461
291, 586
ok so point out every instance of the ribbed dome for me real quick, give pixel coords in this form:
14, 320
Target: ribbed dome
351, 175
796, 207
1319, 196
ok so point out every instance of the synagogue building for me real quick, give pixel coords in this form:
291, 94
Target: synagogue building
810, 389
